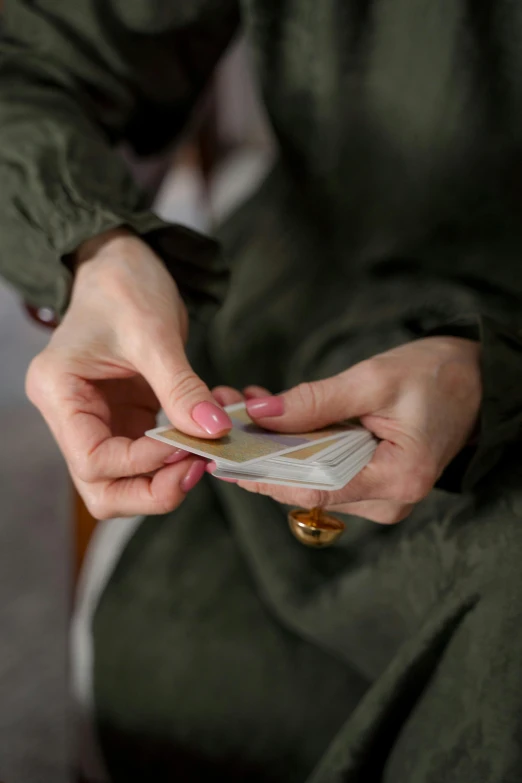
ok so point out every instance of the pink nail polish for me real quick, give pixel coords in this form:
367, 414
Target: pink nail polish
212, 419
176, 456
193, 475
265, 407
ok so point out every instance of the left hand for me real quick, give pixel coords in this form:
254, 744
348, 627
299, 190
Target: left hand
421, 400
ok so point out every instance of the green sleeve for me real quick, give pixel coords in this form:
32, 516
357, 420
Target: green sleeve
501, 411
500, 421
75, 79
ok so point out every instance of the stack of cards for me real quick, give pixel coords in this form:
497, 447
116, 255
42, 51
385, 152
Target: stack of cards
324, 459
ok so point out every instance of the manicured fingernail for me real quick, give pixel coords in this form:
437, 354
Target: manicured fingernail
176, 456
194, 474
212, 419
265, 407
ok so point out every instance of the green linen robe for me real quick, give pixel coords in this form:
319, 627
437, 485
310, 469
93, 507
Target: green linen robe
223, 649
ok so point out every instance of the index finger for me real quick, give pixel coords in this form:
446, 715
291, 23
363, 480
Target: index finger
79, 419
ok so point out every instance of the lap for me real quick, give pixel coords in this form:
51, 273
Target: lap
223, 645
446, 705
193, 676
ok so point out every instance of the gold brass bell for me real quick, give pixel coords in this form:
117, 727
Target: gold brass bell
314, 528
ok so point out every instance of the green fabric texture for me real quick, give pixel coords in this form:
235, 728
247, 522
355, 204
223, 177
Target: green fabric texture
225, 650
75, 79
222, 648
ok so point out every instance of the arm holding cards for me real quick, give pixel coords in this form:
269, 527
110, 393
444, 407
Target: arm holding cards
76, 79
117, 356
421, 400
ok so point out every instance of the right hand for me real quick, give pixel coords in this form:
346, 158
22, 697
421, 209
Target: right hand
117, 358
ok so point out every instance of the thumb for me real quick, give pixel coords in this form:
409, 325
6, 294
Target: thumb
311, 406
185, 398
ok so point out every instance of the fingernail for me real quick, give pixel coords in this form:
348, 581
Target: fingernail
193, 475
228, 480
176, 456
211, 418
265, 406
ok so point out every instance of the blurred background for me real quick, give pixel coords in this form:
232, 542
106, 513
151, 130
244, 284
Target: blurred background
34, 568
222, 159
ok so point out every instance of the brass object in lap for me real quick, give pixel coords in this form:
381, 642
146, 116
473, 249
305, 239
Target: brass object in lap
314, 527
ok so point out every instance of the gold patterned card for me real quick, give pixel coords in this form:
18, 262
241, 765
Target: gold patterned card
246, 442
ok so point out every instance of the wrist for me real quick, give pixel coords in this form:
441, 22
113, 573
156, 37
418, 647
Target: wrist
107, 242
118, 272
114, 259
457, 352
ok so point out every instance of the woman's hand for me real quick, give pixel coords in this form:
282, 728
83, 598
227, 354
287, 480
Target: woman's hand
421, 400
117, 357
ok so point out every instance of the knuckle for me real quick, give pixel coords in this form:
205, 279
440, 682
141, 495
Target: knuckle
83, 467
310, 396
391, 518
38, 379
372, 371
416, 483
185, 385
95, 504
166, 505
158, 499
394, 515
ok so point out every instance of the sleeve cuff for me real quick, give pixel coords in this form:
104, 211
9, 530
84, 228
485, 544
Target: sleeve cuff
75, 187
500, 420
501, 410
193, 260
